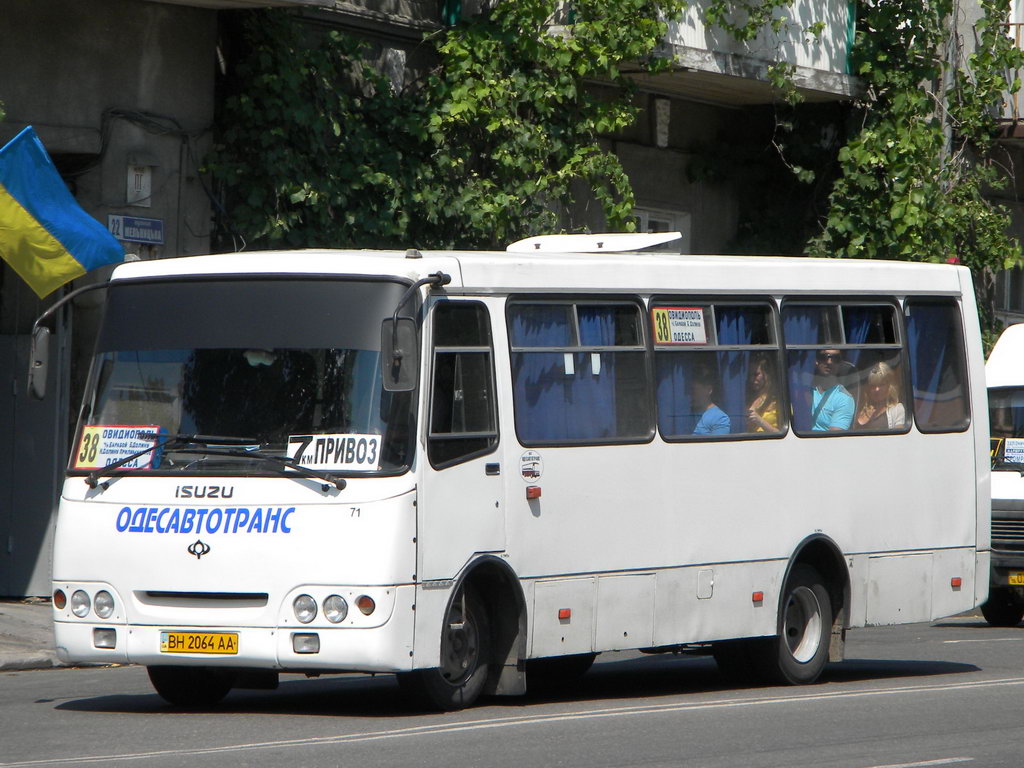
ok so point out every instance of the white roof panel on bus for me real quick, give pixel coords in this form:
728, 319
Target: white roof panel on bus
498, 272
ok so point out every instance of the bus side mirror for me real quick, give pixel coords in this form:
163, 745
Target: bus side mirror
39, 357
399, 354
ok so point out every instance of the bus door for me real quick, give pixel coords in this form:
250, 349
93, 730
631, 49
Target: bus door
461, 505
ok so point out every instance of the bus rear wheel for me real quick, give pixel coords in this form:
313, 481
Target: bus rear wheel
800, 650
191, 686
465, 651
1003, 608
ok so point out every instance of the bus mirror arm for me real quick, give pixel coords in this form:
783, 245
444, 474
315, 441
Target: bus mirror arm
398, 358
39, 354
399, 343
38, 361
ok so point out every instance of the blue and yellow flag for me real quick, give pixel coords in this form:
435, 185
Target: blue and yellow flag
45, 235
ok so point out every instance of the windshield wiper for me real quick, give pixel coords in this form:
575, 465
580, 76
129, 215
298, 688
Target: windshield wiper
288, 466
218, 445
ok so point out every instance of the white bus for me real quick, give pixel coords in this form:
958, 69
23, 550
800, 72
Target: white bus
471, 468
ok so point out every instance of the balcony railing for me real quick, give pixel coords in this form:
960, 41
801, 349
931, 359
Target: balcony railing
793, 43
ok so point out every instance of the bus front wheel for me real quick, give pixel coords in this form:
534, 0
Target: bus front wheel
465, 651
190, 686
805, 626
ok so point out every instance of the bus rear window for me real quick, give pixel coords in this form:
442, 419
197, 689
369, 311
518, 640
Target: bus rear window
937, 365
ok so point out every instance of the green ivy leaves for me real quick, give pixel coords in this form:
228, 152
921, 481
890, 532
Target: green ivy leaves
316, 148
913, 180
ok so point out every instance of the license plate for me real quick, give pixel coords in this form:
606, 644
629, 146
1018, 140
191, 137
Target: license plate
217, 643
1017, 578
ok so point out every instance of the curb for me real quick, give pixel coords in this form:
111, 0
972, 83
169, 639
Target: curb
10, 662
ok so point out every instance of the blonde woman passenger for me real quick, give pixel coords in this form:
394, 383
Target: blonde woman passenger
880, 408
762, 396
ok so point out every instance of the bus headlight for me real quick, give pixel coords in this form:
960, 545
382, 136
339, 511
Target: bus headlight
104, 604
80, 603
305, 608
335, 609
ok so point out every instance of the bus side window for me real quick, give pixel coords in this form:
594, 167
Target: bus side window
809, 330
937, 365
717, 369
845, 371
879, 382
579, 372
463, 410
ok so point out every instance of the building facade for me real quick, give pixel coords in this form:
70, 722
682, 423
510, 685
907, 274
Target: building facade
1009, 285
123, 93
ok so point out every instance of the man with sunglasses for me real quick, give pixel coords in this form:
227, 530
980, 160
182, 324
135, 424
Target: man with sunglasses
832, 405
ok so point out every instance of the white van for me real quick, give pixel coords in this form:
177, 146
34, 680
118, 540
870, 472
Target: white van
1005, 374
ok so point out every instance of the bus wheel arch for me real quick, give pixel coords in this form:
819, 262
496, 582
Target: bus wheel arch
483, 640
813, 612
502, 595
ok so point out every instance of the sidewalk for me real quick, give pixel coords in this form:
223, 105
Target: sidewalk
26, 635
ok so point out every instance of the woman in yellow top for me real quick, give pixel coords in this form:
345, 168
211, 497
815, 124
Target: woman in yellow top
762, 396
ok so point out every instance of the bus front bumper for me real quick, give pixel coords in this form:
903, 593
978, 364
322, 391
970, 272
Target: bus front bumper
318, 646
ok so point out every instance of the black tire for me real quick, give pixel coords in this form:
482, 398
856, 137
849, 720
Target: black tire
465, 657
1003, 608
799, 652
550, 674
191, 686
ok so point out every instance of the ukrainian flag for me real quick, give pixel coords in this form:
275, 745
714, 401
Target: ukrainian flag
44, 235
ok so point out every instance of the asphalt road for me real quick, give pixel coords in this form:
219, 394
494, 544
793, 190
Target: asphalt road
950, 693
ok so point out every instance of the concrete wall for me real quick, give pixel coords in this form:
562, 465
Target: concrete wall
656, 153
84, 72
106, 84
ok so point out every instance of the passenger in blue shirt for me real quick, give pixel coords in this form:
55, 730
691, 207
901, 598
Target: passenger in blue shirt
713, 420
832, 405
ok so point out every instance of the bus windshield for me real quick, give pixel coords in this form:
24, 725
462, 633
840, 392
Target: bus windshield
279, 367
1006, 418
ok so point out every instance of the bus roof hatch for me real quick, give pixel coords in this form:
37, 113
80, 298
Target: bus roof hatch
608, 242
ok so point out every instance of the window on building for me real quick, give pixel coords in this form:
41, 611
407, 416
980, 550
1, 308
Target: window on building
663, 220
1009, 294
